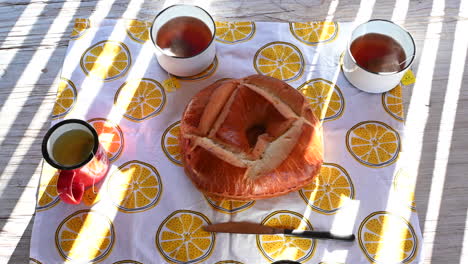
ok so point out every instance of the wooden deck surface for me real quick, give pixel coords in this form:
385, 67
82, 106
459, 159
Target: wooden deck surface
34, 37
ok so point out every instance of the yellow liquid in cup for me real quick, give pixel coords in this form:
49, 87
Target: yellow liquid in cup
72, 147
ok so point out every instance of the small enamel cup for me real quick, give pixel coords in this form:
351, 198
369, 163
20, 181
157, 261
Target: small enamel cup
74, 179
378, 82
184, 66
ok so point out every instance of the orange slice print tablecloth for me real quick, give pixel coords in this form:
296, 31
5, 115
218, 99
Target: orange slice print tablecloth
147, 211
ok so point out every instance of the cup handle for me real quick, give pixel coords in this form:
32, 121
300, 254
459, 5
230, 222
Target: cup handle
69, 191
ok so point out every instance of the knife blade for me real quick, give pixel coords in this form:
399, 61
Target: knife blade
259, 229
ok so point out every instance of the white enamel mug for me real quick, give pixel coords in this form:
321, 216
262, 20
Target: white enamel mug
184, 66
378, 82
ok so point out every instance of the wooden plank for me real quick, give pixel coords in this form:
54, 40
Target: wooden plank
32, 48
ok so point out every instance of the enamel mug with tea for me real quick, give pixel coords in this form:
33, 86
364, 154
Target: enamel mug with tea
73, 147
378, 55
183, 37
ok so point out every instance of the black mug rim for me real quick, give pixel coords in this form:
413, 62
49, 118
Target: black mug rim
56, 165
213, 35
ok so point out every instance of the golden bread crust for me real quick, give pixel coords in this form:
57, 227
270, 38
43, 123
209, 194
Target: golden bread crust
250, 138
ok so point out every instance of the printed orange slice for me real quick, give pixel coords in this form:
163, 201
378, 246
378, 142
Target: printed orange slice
330, 189
92, 195
170, 143
278, 247
373, 143
313, 33
392, 102
80, 27
280, 60
135, 187
34, 261
47, 194
181, 239
227, 206
404, 185
127, 261
110, 137
106, 60
140, 99
66, 98
325, 98
138, 30
85, 236
234, 32
387, 238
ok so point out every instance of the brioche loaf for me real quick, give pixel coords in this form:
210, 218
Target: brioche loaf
250, 138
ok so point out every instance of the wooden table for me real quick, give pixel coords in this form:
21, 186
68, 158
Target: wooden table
34, 37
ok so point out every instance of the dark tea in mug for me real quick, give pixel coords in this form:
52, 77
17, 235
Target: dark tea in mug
378, 53
184, 36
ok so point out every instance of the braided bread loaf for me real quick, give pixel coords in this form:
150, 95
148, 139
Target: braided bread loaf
250, 138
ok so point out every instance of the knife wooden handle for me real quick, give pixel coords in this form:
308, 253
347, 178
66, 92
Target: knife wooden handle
318, 235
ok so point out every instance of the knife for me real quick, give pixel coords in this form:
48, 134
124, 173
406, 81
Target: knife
254, 228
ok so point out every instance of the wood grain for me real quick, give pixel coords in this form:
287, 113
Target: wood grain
33, 40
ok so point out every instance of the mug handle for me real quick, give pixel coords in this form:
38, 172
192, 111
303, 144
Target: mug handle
69, 191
